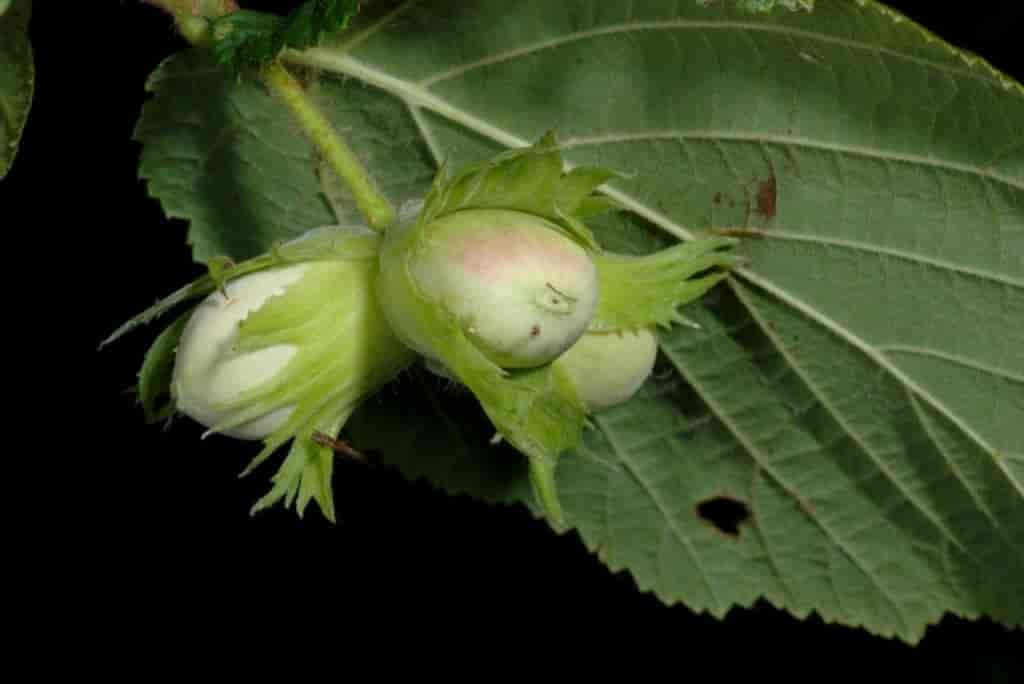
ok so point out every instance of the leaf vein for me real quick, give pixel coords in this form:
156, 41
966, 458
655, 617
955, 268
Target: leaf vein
670, 521
776, 234
925, 426
424, 130
758, 528
857, 439
698, 25
952, 358
751, 448
359, 38
717, 136
872, 353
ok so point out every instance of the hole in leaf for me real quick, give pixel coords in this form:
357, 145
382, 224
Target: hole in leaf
725, 513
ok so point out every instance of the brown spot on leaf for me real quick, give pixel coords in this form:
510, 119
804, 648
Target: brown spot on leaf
766, 198
535, 330
717, 198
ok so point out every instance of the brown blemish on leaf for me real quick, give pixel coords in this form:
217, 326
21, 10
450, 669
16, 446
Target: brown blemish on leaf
767, 198
535, 330
717, 198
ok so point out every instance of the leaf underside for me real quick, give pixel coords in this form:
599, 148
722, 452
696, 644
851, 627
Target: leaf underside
857, 393
17, 79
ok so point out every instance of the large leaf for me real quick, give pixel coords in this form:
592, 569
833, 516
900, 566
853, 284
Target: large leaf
844, 432
17, 77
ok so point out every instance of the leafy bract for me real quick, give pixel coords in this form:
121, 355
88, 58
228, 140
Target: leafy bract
531, 180
17, 78
344, 352
857, 391
250, 39
638, 291
154, 386
325, 242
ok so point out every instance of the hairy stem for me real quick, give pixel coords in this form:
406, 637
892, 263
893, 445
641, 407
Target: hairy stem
374, 206
193, 18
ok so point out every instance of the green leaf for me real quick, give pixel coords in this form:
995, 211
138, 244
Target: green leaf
857, 392
251, 39
17, 78
222, 153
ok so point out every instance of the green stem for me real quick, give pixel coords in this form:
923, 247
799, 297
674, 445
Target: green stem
193, 20
374, 206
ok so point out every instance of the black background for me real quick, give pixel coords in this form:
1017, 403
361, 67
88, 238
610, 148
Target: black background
155, 523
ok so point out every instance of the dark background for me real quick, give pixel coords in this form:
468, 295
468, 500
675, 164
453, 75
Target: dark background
156, 523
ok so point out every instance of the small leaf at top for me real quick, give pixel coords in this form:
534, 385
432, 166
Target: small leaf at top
251, 39
767, 5
17, 78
